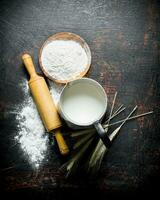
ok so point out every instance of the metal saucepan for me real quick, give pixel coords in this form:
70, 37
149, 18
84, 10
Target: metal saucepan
83, 104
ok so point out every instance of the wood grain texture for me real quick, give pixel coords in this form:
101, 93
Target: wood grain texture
124, 37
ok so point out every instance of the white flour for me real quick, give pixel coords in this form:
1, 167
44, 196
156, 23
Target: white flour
64, 59
31, 133
55, 90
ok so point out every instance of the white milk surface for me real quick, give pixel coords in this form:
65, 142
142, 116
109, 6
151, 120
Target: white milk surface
83, 103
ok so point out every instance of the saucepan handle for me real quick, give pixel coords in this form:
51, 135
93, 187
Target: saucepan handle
102, 134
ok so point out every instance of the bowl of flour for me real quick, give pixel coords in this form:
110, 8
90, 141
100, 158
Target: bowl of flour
65, 57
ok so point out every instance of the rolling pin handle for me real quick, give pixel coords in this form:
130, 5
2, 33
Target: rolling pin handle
29, 65
64, 150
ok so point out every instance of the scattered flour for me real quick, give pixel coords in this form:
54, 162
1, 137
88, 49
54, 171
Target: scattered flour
31, 133
64, 59
55, 90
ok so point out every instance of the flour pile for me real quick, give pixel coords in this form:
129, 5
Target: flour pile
31, 133
64, 59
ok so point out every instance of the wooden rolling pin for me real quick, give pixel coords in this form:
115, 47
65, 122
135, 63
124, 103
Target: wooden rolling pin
45, 104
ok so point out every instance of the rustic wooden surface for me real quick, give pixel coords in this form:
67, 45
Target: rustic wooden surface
124, 37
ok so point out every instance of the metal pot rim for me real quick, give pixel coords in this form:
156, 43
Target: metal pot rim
66, 118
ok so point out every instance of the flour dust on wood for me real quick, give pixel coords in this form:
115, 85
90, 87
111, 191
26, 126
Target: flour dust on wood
31, 135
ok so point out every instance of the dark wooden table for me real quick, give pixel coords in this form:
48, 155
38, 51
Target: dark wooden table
124, 37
